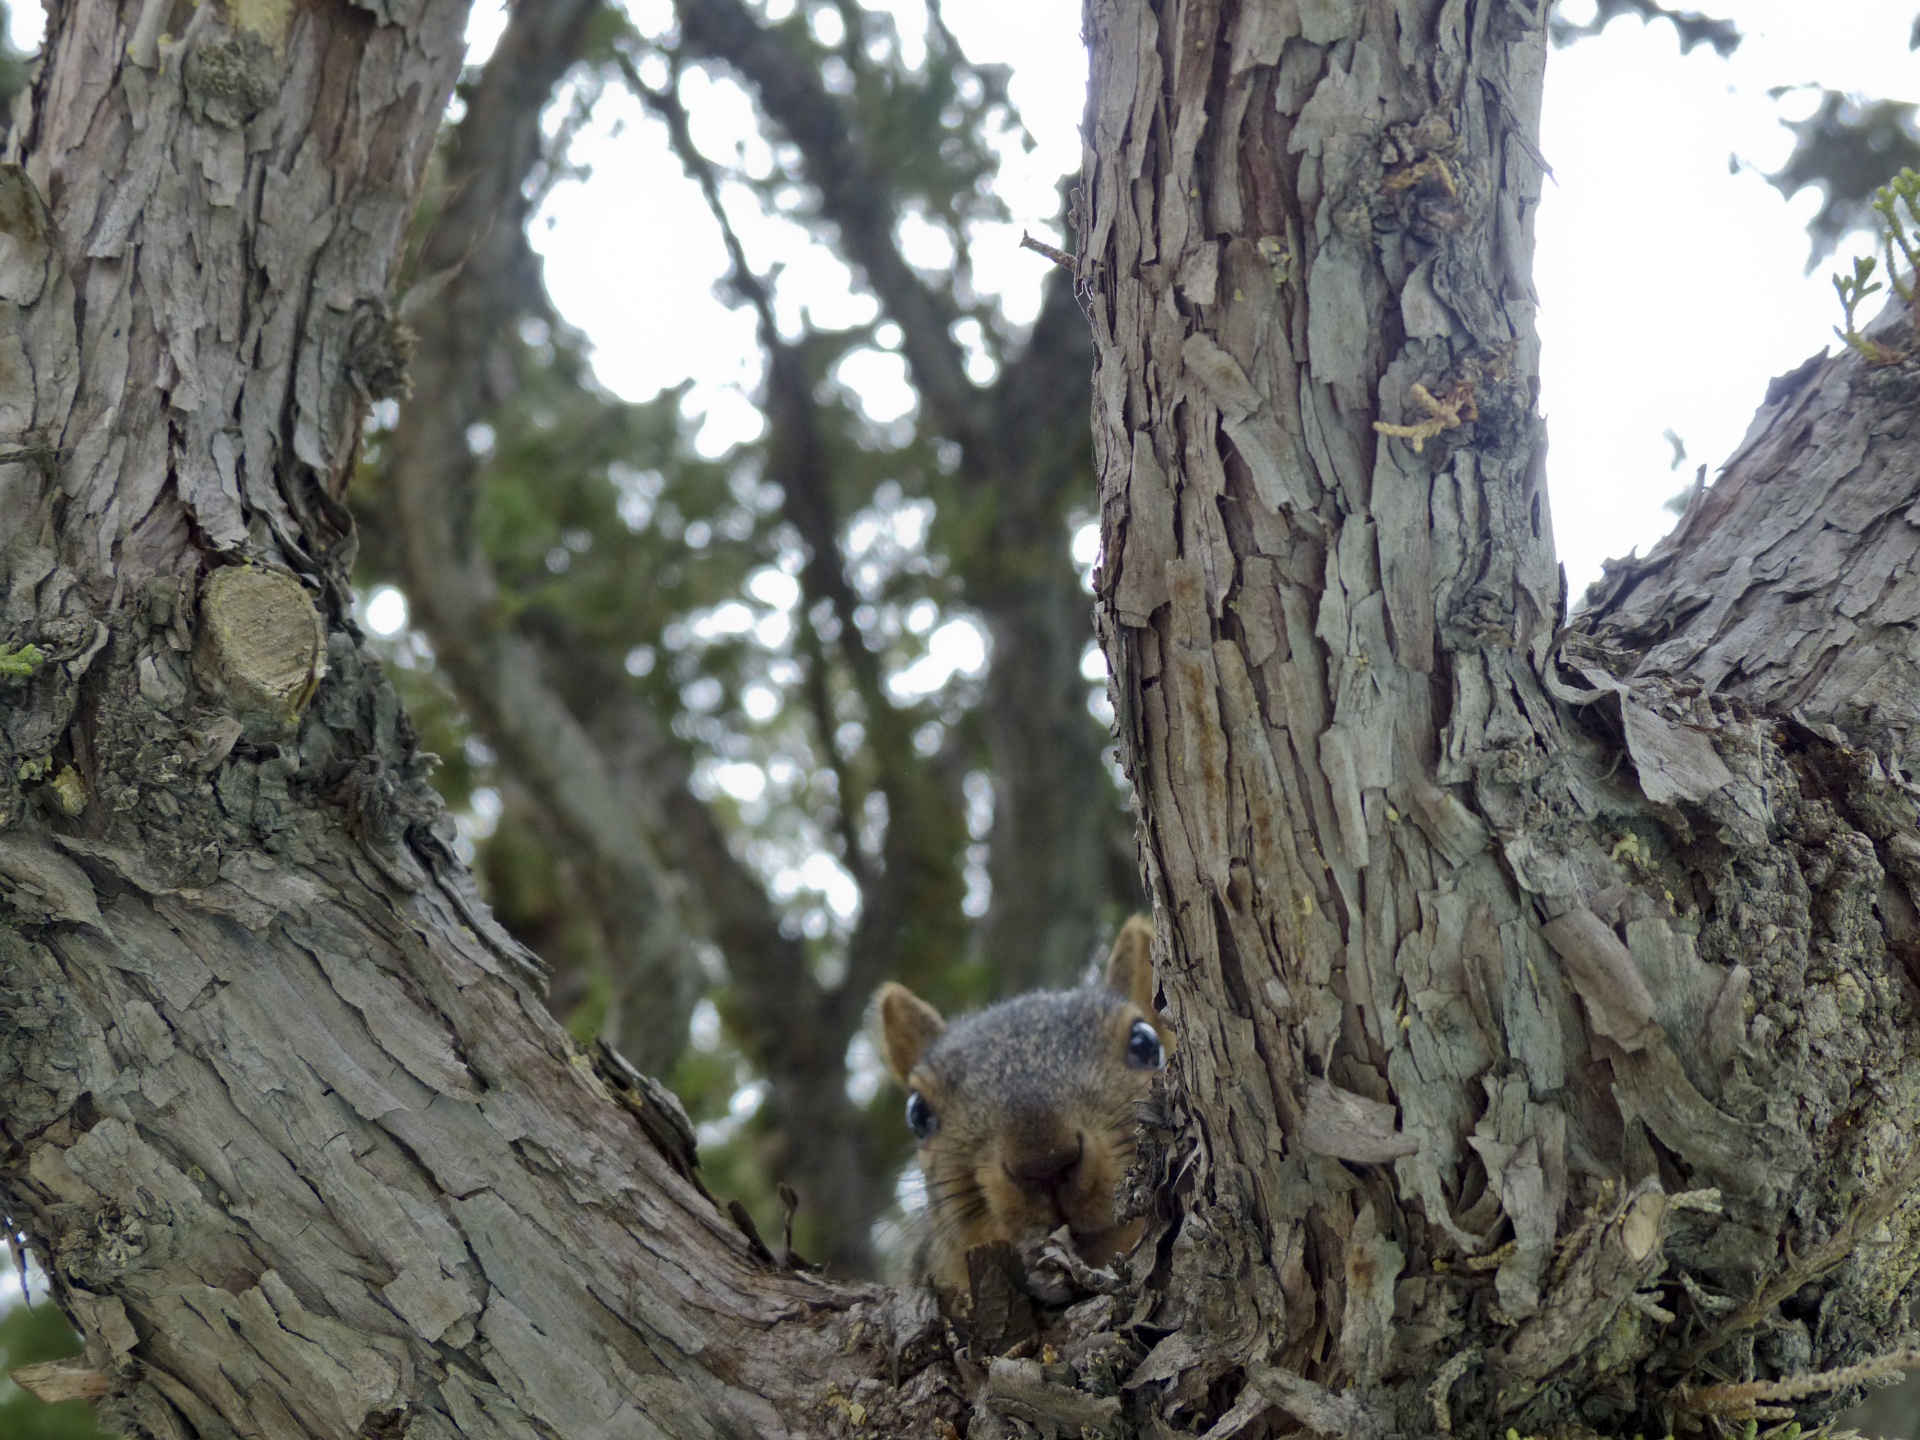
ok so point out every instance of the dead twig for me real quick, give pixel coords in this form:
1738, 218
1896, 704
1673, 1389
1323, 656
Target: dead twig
1057, 256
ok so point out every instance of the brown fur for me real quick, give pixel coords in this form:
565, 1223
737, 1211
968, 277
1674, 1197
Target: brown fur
1035, 1103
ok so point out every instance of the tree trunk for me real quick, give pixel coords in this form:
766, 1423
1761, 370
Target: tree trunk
1545, 1041
1545, 1034
286, 1121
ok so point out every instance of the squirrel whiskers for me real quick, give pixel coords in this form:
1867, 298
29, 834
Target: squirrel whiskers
1025, 1112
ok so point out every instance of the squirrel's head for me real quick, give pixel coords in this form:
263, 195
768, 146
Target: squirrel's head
1025, 1112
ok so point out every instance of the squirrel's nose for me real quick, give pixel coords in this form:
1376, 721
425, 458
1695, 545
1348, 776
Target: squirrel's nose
1047, 1170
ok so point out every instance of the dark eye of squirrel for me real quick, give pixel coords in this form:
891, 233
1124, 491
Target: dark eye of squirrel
1144, 1051
920, 1117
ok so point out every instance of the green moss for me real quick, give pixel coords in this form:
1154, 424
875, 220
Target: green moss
21, 662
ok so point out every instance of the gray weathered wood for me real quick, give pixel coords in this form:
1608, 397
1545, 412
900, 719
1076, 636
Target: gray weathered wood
1546, 1041
1484, 955
286, 1119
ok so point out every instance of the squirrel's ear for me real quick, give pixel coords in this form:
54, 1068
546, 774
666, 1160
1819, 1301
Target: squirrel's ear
907, 1026
1130, 967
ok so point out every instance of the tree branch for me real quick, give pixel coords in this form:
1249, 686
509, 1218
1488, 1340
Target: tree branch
1057, 828
613, 786
1810, 609
914, 892
284, 1118
793, 1031
854, 196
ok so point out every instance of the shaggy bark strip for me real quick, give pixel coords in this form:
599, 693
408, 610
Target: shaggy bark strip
1547, 1055
1794, 581
1518, 1046
285, 1119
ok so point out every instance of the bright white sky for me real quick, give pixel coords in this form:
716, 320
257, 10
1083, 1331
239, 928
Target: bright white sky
1671, 289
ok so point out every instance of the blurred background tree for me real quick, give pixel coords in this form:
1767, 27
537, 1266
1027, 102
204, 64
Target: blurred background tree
726, 725
734, 732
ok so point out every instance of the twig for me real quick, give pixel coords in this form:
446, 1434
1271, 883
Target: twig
1747, 1400
1444, 413
1057, 256
1442, 1387
1824, 1257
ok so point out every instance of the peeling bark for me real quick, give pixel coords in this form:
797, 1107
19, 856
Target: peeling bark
1545, 1012
285, 1118
1793, 582
1534, 1018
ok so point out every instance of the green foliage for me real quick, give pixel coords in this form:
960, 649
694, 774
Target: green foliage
20, 662
1901, 193
1852, 289
1897, 205
928, 128
30, 1334
603, 521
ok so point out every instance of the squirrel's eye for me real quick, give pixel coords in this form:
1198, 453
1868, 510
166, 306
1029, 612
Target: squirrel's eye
1144, 1051
920, 1117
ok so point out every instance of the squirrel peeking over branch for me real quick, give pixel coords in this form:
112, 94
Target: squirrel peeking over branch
1025, 1112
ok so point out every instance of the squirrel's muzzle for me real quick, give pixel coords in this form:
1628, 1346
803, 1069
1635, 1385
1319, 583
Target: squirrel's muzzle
1047, 1171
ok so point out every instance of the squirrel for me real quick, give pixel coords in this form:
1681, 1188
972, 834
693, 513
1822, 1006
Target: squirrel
1025, 1111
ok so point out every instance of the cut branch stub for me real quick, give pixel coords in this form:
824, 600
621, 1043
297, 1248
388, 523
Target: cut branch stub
262, 648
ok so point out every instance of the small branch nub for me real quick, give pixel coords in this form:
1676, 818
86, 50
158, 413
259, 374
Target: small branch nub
1057, 256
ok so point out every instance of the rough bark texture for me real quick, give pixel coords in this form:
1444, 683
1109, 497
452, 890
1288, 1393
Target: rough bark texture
1544, 1037
1546, 1042
284, 1115
1794, 582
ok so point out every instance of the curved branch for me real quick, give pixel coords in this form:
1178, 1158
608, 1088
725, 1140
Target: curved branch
284, 1117
1057, 832
795, 1032
854, 196
486, 278
612, 785
915, 886
1793, 582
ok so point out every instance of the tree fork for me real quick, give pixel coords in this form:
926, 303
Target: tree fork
1547, 1055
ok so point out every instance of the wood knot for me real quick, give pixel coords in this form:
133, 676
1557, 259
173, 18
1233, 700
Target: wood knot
262, 648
